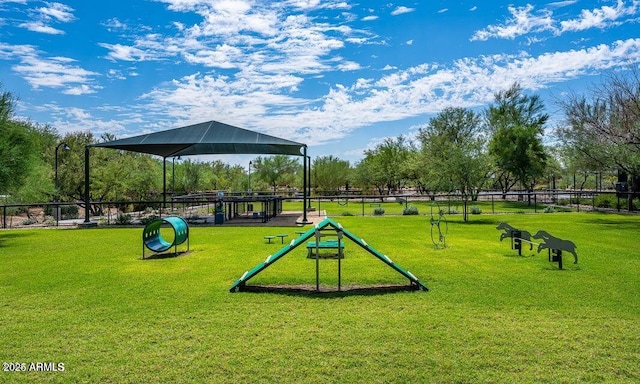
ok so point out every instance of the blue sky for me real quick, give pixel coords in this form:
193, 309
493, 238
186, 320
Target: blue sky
337, 75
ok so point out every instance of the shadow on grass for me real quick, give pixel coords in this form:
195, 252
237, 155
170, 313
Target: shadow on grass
328, 293
11, 235
475, 221
166, 255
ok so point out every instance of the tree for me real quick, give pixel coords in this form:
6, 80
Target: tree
329, 173
16, 150
385, 166
278, 170
454, 153
517, 124
604, 129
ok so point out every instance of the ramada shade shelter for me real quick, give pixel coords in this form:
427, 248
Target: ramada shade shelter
208, 138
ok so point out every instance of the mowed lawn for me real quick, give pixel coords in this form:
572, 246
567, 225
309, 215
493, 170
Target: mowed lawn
85, 298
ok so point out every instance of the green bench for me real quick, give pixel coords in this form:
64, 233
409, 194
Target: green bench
323, 245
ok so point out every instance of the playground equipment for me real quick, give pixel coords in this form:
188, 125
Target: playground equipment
554, 245
439, 226
517, 236
316, 232
153, 240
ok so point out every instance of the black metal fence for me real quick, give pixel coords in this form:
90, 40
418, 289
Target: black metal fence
204, 208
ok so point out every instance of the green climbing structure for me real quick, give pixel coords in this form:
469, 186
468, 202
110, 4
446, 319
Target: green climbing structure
314, 232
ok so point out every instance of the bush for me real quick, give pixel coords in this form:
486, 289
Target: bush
475, 210
378, 211
148, 219
605, 201
49, 221
347, 214
548, 209
29, 221
410, 210
123, 219
67, 212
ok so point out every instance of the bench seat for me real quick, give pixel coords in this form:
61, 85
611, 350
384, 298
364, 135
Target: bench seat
326, 244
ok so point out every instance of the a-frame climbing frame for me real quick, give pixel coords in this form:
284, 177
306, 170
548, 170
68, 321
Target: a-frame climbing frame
315, 232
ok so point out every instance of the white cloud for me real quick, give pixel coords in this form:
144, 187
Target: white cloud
600, 17
419, 90
58, 11
525, 21
400, 10
50, 72
82, 89
443, 10
370, 18
43, 16
409, 42
249, 37
560, 4
38, 26
522, 21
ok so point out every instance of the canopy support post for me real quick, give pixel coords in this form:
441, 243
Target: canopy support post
86, 184
304, 187
87, 203
164, 184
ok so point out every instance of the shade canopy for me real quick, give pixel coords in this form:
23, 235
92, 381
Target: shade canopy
211, 137
208, 138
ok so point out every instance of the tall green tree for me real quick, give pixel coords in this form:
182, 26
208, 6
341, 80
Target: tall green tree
275, 171
454, 153
329, 174
603, 128
385, 166
517, 125
16, 150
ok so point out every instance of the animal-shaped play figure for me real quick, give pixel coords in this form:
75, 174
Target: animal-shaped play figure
555, 244
510, 231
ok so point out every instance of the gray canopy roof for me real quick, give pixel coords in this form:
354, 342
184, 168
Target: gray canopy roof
211, 137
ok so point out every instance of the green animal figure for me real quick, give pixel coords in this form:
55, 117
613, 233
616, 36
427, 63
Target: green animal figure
509, 230
552, 242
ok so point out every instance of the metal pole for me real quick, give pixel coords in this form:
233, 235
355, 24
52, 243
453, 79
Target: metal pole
57, 198
249, 184
304, 187
86, 185
173, 180
309, 176
164, 183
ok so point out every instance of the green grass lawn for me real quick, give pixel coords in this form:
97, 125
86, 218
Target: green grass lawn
85, 298
356, 207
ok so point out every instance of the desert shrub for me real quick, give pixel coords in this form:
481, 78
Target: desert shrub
30, 221
123, 219
605, 201
410, 210
148, 219
378, 211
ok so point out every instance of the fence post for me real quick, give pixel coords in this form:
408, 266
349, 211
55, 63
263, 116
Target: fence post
362, 205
